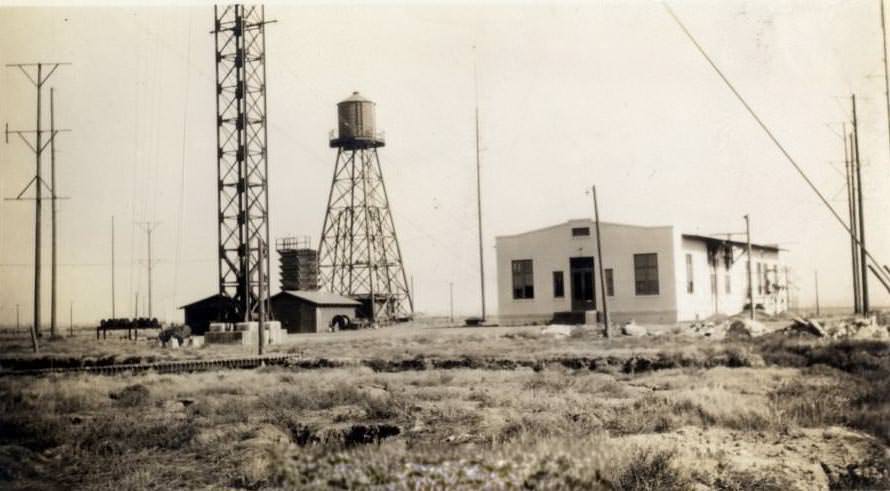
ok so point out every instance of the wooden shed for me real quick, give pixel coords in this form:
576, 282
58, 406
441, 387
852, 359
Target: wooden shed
312, 310
215, 308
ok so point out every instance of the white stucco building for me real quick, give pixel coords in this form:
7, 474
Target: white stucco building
652, 274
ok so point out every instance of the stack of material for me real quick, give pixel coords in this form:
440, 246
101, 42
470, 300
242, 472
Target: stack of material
244, 333
299, 269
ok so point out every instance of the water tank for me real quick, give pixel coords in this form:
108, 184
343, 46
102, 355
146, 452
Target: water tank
356, 117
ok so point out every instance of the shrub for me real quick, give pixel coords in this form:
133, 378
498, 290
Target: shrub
651, 471
131, 396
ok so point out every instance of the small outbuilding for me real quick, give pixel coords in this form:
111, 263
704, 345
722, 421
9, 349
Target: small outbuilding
302, 311
215, 308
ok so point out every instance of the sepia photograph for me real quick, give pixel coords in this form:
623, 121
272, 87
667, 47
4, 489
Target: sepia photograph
631, 245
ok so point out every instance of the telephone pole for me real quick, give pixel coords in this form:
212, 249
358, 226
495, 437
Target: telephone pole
261, 328
479, 190
37, 146
113, 316
149, 228
451, 302
851, 206
599, 259
863, 275
750, 260
816, 277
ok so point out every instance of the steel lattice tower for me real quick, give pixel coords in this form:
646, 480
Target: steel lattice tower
359, 254
243, 201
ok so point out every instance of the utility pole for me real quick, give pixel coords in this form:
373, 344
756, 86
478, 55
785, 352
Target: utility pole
886, 81
599, 259
816, 274
113, 315
17, 319
851, 206
71, 318
451, 302
863, 275
52, 190
149, 228
787, 291
750, 260
479, 190
37, 147
261, 331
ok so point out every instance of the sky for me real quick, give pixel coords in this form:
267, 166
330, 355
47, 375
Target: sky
570, 95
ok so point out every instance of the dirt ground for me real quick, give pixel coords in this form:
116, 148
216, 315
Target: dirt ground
467, 408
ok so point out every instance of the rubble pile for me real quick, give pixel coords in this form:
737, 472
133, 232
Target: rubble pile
710, 328
846, 328
857, 328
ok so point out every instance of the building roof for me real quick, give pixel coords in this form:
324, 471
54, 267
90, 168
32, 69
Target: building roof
589, 222
706, 238
582, 221
214, 299
319, 297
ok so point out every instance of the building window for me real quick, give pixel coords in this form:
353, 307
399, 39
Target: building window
713, 281
690, 285
646, 274
610, 283
580, 231
523, 279
559, 289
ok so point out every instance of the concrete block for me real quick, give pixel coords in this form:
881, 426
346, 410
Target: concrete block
217, 327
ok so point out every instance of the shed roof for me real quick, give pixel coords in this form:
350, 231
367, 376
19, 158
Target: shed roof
319, 297
214, 299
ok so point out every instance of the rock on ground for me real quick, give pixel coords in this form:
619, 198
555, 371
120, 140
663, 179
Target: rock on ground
634, 330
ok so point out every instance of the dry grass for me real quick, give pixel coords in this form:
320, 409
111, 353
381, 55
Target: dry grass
553, 427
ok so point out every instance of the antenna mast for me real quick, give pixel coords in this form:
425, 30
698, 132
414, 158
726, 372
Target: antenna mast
479, 189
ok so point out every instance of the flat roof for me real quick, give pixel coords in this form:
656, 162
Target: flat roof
707, 238
589, 222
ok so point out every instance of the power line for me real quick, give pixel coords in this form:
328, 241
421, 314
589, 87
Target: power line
772, 137
38, 146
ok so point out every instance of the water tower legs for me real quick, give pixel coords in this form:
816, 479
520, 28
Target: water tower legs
359, 254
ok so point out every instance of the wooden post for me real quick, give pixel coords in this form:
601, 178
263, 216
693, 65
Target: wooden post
816, 274
451, 302
863, 256
261, 332
750, 266
599, 254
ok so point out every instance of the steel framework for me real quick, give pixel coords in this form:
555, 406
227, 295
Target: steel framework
359, 254
242, 173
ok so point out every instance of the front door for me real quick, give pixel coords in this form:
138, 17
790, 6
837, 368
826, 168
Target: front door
581, 270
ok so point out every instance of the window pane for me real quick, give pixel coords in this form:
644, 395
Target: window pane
523, 279
558, 284
646, 274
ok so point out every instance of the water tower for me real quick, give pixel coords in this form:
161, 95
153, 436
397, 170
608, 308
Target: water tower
359, 254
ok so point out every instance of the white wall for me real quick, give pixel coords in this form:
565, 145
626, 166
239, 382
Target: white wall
550, 250
702, 303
